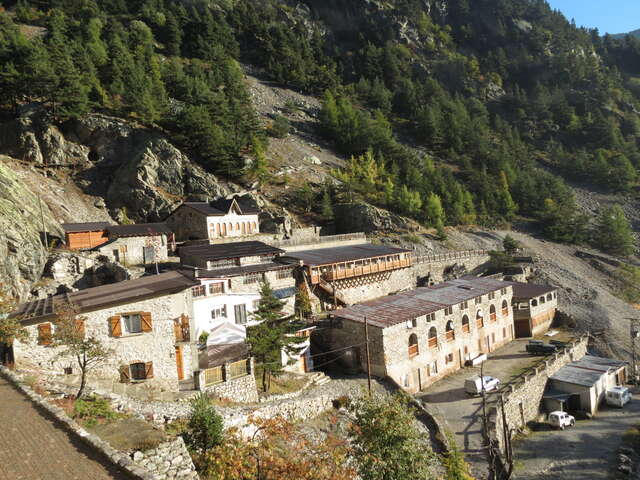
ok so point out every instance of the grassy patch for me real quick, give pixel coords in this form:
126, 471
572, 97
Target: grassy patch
412, 238
285, 383
129, 434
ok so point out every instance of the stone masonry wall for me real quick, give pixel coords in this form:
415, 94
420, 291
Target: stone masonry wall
241, 389
157, 346
168, 461
522, 397
134, 249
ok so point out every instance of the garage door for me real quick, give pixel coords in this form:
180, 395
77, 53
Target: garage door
522, 328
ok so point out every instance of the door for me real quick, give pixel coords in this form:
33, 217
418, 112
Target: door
241, 314
116, 255
149, 254
179, 363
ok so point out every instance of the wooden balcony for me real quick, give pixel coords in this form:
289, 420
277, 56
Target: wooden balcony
450, 336
433, 342
181, 329
413, 350
466, 328
357, 269
505, 312
480, 323
493, 317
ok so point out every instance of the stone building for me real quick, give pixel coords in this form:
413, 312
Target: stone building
211, 220
534, 308
236, 254
83, 236
146, 322
137, 244
417, 337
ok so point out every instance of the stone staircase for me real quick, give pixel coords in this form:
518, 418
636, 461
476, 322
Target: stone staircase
319, 378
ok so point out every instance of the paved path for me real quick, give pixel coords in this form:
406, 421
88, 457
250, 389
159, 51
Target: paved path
586, 451
32, 447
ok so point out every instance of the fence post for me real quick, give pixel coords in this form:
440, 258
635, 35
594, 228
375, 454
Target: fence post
225, 371
197, 380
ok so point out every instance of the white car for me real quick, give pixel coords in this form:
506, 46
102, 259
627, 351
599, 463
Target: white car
473, 385
618, 396
561, 420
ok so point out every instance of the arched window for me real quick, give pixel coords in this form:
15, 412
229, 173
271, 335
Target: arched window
450, 333
244, 228
466, 328
255, 227
217, 229
542, 300
505, 308
237, 226
413, 345
224, 229
534, 303
479, 319
230, 227
433, 337
492, 313
549, 297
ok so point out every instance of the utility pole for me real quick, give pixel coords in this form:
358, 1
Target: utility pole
44, 227
634, 332
366, 348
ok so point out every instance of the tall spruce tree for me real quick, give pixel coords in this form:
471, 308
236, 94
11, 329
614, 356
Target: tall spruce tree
612, 232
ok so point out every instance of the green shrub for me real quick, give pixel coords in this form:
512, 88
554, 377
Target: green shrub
203, 337
93, 408
205, 427
280, 127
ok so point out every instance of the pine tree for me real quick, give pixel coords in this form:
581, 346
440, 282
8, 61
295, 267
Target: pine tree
435, 214
612, 232
302, 305
327, 206
272, 335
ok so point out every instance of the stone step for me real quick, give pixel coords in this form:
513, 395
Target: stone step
316, 375
322, 381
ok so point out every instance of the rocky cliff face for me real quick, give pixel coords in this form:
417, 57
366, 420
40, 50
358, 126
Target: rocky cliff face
21, 225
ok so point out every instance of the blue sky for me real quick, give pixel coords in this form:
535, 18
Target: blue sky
608, 16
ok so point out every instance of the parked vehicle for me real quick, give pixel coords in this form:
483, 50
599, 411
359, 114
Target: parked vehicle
538, 347
618, 396
473, 385
561, 420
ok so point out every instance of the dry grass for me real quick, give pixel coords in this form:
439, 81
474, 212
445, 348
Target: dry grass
129, 434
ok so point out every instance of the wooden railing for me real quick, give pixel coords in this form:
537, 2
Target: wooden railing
413, 350
380, 266
480, 322
493, 317
212, 376
505, 312
181, 329
466, 328
442, 257
238, 369
433, 342
450, 336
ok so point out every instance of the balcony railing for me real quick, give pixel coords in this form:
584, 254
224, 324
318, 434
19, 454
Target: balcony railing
466, 328
181, 329
493, 317
450, 336
505, 312
413, 350
433, 342
480, 323
359, 270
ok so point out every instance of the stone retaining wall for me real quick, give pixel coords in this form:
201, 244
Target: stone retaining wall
110, 454
170, 460
522, 397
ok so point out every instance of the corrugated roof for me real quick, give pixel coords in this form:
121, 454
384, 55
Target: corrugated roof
85, 227
104, 296
240, 271
327, 256
587, 371
138, 230
526, 291
394, 309
223, 251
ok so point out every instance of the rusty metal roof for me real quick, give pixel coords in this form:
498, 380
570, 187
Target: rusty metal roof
394, 309
328, 256
240, 271
104, 296
223, 251
527, 291
85, 227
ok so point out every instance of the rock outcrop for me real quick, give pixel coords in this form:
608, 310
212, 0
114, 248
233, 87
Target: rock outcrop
21, 224
362, 217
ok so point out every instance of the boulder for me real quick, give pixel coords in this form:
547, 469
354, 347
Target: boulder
362, 217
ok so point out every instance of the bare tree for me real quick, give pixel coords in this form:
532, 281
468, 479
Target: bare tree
70, 335
10, 327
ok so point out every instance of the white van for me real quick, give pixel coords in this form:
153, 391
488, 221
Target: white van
618, 396
473, 385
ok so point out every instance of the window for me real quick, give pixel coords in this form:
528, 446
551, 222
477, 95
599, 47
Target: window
478, 300
492, 313
433, 368
448, 359
493, 338
216, 288
549, 297
505, 308
503, 291
252, 278
504, 332
448, 310
285, 273
241, 314
44, 334
433, 337
464, 305
219, 312
479, 319
492, 295
413, 345
466, 328
534, 303
138, 371
227, 262
542, 300
413, 323
431, 317
450, 333
199, 291
132, 323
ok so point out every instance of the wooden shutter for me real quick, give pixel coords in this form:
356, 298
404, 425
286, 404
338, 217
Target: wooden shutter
125, 374
80, 327
146, 321
148, 370
115, 327
44, 334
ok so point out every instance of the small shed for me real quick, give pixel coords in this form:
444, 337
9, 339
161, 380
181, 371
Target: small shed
87, 235
585, 382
